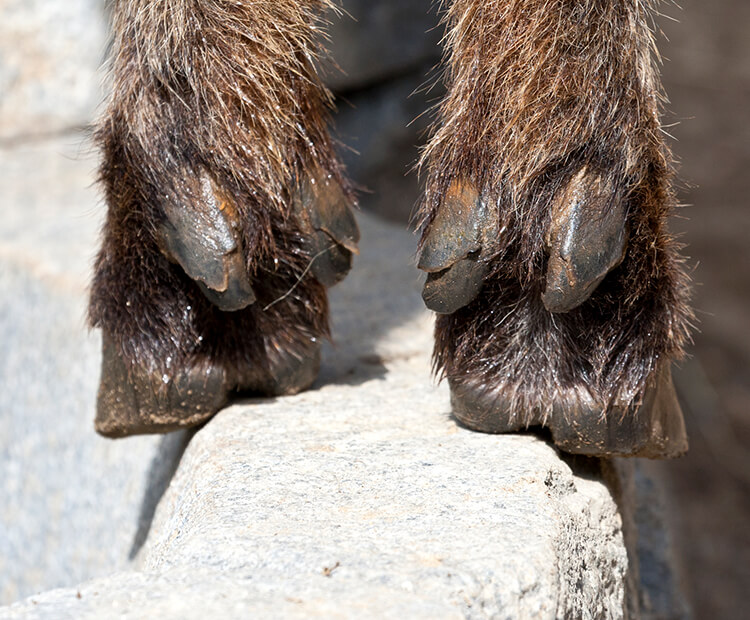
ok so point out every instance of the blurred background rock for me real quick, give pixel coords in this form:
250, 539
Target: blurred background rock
707, 77
50, 52
385, 55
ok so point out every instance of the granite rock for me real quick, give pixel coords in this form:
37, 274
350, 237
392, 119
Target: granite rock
50, 52
361, 495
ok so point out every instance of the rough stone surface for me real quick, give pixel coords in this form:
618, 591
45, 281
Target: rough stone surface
367, 471
360, 498
394, 497
50, 52
69, 500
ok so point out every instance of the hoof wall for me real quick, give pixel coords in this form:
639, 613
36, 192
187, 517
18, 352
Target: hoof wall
656, 429
134, 401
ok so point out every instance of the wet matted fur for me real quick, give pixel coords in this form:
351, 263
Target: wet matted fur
214, 105
548, 99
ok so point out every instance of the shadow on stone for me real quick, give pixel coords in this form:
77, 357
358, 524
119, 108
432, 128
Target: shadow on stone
382, 293
366, 367
619, 476
163, 466
586, 467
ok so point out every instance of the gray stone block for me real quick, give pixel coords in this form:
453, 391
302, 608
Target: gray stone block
69, 500
50, 52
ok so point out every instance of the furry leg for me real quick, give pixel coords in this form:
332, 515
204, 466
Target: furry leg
548, 158
228, 212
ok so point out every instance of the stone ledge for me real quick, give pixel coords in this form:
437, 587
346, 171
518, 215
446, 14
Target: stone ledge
361, 496
365, 477
284, 510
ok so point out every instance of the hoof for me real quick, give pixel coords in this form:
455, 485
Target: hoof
328, 224
133, 401
655, 429
486, 412
289, 373
455, 248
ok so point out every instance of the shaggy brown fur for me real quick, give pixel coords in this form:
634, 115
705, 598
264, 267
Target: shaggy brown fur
226, 90
540, 90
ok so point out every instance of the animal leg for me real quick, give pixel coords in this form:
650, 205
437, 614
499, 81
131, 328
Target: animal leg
576, 303
228, 210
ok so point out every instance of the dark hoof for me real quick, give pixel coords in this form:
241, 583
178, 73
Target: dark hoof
330, 261
200, 233
290, 374
132, 401
483, 411
455, 248
326, 218
587, 239
655, 429
449, 290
